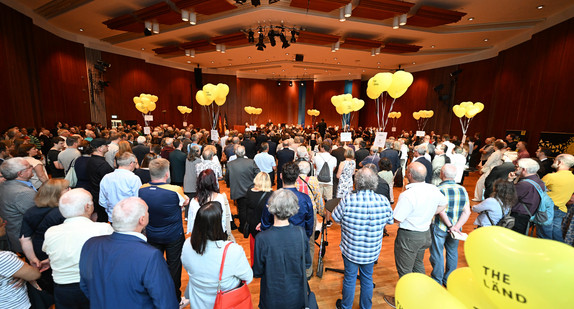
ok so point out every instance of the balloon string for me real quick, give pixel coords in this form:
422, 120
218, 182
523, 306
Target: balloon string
378, 114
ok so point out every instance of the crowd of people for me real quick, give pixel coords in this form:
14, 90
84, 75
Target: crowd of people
95, 216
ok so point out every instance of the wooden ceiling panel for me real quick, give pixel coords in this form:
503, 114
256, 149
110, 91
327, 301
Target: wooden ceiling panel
213, 7
319, 5
360, 44
234, 39
398, 48
58, 7
316, 38
160, 12
428, 16
127, 22
168, 50
381, 9
199, 45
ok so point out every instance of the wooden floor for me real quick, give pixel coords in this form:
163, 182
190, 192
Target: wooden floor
328, 288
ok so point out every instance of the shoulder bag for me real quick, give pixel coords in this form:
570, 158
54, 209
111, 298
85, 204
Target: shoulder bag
71, 174
237, 298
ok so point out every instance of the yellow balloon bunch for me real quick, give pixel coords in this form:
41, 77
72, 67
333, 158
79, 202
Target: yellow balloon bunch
210, 93
467, 109
395, 84
423, 114
313, 112
395, 115
345, 103
253, 110
184, 109
506, 270
145, 103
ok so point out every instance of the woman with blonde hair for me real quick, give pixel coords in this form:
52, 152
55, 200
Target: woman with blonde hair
36, 222
255, 199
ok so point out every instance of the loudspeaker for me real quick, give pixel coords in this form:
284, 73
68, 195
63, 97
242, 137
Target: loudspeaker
198, 78
299, 57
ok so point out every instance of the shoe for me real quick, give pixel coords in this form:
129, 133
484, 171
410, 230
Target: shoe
329, 223
317, 234
390, 300
183, 303
338, 304
233, 226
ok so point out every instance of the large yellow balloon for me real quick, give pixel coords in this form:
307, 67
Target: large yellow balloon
415, 291
139, 106
462, 285
201, 98
137, 100
151, 106
471, 112
479, 105
347, 97
372, 94
416, 115
145, 101
210, 91
466, 104
222, 90
357, 104
516, 271
337, 100
384, 80
459, 111
430, 113
153, 98
340, 109
401, 82
220, 100
398, 115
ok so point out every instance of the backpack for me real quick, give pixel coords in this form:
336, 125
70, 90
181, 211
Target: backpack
507, 220
545, 213
325, 173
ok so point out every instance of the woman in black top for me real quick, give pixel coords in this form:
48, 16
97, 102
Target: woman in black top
256, 199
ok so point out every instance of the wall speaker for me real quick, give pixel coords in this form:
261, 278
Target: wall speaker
198, 78
299, 57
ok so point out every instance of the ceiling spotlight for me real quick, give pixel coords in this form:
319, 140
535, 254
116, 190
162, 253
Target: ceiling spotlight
335, 47
290, 83
540, 7
414, 62
432, 46
403, 20
240, 1
271, 35
190, 53
155, 27
471, 18
373, 52
81, 29
486, 40
278, 83
218, 47
192, 18
188, 61
255, 2
260, 44
396, 22
185, 15
223, 49
342, 14
251, 36
302, 83
293, 34
284, 40
377, 50
348, 9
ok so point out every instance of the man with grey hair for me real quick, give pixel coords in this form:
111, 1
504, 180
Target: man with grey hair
363, 216
528, 198
415, 209
141, 149
561, 188
123, 261
448, 221
16, 197
120, 184
242, 172
372, 158
419, 155
167, 149
63, 244
440, 159
208, 162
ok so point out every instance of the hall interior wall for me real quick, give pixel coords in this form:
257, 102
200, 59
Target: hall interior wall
45, 79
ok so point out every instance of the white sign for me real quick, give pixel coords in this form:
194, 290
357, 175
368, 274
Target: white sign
394, 129
147, 130
346, 137
420, 133
214, 135
148, 117
253, 128
185, 123
380, 139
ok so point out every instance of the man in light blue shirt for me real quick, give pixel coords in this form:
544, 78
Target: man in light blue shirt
265, 162
120, 184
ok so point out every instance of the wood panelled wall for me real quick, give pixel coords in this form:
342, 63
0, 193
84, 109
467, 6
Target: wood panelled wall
44, 80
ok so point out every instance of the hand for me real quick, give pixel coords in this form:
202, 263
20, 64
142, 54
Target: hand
44, 265
258, 227
17, 282
35, 263
512, 176
35, 285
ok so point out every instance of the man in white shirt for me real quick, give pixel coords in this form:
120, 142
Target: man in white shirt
265, 162
326, 187
120, 184
113, 148
63, 244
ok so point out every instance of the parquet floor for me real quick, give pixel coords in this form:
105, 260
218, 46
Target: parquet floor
328, 288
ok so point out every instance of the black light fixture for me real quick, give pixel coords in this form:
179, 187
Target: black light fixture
102, 66
255, 2
260, 44
278, 83
302, 83
293, 34
271, 35
240, 1
455, 73
290, 83
251, 36
273, 1
284, 40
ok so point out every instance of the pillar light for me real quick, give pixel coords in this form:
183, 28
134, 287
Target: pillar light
155, 27
396, 22
342, 14
223, 49
148, 25
403, 20
348, 9
185, 15
373, 52
218, 47
192, 18
377, 50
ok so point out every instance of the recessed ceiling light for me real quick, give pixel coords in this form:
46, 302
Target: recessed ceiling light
349, 73
266, 59
363, 71
432, 46
212, 61
283, 70
257, 70
229, 64
273, 73
143, 48
414, 63
325, 70
81, 29
540, 7
249, 57
305, 69
486, 40
379, 62
335, 58
378, 67
188, 61
471, 18
286, 54
338, 63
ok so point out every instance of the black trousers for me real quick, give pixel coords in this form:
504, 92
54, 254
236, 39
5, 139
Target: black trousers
70, 296
520, 222
173, 259
241, 211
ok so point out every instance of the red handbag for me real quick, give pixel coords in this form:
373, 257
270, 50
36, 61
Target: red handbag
237, 298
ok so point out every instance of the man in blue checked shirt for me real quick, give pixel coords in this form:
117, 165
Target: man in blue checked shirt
451, 219
363, 216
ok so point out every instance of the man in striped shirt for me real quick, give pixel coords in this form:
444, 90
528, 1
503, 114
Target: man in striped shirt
363, 216
448, 221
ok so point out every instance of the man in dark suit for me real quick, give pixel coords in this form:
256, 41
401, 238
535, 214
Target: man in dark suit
362, 152
322, 127
392, 155
250, 146
544, 161
419, 154
242, 172
283, 156
141, 149
177, 163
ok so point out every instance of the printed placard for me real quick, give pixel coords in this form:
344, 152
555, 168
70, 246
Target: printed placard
380, 139
148, 117
214, 135
394, 129
346, 137
253, 128
420, 133
147, 130
185, 123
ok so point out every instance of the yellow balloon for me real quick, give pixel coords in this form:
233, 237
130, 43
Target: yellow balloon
398, 114
471, 112
373, 94
338, 100
139, 106
340, 110
222, 90
462, 285
416, 115
145, 101
220, 100
153, 98
384, 80
200, 98
347, 97
479, 105
431, 113
151, 106
210, 91
415, 291
137, 100
517, 271
247, 109
402, 80
466, 105
459, 111
392, 115
142, 95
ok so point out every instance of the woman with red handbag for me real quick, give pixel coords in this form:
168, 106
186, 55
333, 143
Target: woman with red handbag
216, 267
